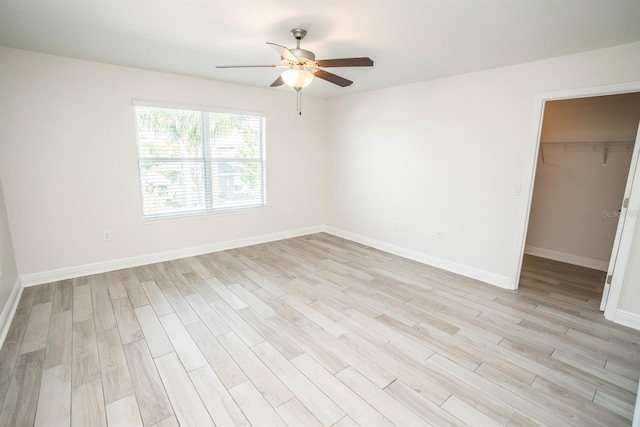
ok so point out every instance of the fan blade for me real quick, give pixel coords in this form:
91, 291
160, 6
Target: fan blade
346, 62
325, 75
249, 66
277, 82
284, 52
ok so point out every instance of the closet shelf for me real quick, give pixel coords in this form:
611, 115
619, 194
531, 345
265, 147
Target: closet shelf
594, 146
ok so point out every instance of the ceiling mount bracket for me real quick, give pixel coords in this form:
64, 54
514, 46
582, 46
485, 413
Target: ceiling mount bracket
298, 33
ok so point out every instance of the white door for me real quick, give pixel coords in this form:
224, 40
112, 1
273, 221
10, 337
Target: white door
619, 254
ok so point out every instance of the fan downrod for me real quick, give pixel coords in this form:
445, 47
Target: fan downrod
304, 56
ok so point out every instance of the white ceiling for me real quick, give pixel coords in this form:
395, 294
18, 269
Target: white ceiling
409, 40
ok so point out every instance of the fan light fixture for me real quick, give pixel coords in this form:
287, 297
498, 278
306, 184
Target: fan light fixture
297, 79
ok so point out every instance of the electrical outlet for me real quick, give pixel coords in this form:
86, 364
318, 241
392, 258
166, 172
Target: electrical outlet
293, 212
395, 225
439, 234
106, 235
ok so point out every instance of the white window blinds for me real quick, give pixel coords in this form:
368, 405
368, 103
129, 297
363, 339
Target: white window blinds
198, 161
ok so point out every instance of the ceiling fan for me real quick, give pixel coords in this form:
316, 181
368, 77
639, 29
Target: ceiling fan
301, 65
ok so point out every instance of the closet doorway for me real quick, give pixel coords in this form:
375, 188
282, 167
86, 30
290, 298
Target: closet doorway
585, 152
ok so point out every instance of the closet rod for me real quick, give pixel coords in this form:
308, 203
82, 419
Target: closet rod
595, 144
587, 142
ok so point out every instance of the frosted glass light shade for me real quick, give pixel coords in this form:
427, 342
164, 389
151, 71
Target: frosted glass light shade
297, 79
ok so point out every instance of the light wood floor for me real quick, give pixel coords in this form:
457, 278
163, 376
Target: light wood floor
314, 331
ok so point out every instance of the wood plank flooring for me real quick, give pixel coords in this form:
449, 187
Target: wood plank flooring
316, 331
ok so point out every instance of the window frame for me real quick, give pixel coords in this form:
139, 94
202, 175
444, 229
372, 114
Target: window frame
210, 208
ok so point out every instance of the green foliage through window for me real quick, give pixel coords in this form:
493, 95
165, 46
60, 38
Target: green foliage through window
197, 161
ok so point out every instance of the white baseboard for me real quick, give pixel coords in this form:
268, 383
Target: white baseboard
596, 264
118, 264
474, 273
9, 310
630, 320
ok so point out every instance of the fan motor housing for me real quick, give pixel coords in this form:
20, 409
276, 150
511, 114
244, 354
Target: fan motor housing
303, 54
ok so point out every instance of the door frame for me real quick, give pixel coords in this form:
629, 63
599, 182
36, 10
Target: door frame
530, 175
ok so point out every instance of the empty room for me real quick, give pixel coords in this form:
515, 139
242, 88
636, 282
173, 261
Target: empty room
319, 213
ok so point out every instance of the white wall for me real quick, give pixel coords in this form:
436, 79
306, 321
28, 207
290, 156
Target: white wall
69, 161
576, 197
443, 157
7, 259
575, 201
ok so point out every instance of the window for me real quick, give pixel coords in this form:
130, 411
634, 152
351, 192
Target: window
198, 161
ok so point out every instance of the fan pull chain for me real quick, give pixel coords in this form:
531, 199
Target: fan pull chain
299, 102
